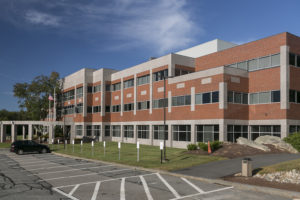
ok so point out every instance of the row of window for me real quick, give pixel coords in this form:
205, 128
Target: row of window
94, 89
68, 95
294, 128
294, 96
294, 59
258, 63
255, 98
93, 109
207, 97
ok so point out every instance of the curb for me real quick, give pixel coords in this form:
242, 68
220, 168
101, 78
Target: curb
245, 187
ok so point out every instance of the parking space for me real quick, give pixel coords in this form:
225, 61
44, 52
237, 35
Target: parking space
81, 179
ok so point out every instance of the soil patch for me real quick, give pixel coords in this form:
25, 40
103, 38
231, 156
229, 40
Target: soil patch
264, 183
238, 150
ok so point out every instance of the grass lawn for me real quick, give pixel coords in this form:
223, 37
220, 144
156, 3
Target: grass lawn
5, 145
284, 166
149, 155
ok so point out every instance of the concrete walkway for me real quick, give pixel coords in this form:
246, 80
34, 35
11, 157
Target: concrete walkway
223, 168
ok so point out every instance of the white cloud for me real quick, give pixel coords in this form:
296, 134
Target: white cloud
160, 25
36, 17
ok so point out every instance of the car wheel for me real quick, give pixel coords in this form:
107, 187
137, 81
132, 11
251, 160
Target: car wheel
44, 150
20, 152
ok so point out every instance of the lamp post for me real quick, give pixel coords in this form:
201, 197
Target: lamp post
165, 149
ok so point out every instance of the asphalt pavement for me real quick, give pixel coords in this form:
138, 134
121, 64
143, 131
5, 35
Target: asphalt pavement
222, 168
50, 176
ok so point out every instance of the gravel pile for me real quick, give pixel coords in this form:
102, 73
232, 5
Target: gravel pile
292, 176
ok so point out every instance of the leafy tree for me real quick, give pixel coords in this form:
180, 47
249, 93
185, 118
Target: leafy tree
33, 97
14, 115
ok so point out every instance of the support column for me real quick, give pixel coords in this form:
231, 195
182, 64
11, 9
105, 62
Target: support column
193, 134
284, 129
170, 138
50, 133
169, 101
29, 131
222, 130
122, 98
23, 131
72, 132
135, 95
151, 91
284, 77
2, 133
151, 134
122, 132
223, 95
13, 132
192, 98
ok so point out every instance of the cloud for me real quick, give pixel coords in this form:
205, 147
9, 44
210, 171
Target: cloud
239, 42
36, 17
160, 25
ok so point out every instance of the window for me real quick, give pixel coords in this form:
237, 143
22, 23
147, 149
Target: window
264, 62
242, 65
116, 131
89, 109
198, 99
293, 94
90, 89
107, 108
207, 133
107, 131
143, 105
160, 103
181, 100
79, 108
79, 92
230, 97
88, 130
180, 72
245, 98
294, 129
275, 60
298, 97
264, 97
206, 98
116, 86
215, 97
298, 60
157, 76
96, 109
236, 131
181, 132
107, 88
68, 95
116, 108
78, 129
97, 88
237, 97
68, 110
158, 132
292, 58
129, 107
275, 96
129, 83
257, 131
97, 130
143, 80
128, 131
252, 65
254, 98
143, 131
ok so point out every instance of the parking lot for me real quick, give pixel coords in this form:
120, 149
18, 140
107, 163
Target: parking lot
80, 179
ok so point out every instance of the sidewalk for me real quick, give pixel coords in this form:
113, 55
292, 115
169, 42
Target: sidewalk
218, 169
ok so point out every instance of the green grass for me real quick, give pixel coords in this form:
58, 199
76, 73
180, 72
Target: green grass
284, 166
149, 155
5, 145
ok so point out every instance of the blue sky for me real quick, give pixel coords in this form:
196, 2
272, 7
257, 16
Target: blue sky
41, 36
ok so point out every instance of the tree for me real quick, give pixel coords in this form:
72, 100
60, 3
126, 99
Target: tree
33, 97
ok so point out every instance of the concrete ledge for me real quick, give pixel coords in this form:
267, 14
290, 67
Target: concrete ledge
245, 187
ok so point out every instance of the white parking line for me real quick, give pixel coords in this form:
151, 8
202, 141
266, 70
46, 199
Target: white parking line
70, 170
51, 163
41, 161
49, 179
57, 166
96, 190
122, 190
168, 186
112, 179
32, 160
211, 191
74, 189
191, 184
146, 188
65, 194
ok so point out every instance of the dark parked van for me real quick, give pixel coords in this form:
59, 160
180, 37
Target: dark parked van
22, 146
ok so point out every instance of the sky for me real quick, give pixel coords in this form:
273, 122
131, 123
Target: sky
41, 36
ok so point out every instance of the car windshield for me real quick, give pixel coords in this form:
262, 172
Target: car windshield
32, 142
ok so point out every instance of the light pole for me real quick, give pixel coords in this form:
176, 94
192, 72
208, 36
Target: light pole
165, 149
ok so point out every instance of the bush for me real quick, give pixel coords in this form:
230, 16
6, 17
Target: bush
203, 146
192, 147
213, 145
294, 140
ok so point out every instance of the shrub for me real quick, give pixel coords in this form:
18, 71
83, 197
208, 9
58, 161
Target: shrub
192, 147
203, 146
213, 145
294, 140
